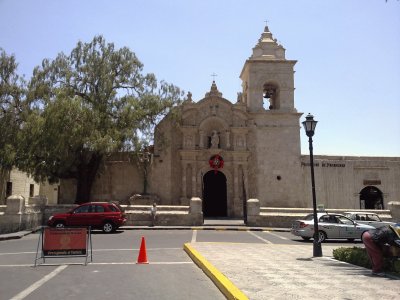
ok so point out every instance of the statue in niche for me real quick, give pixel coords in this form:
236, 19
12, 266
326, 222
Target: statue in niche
214, 139
189, 141
239, 142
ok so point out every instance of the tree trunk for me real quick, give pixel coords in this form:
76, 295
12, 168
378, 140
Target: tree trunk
4, 177
86, 175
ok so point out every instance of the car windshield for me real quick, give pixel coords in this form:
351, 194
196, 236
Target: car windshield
120, 207
351, 216
344, 220
309, 217
373, 218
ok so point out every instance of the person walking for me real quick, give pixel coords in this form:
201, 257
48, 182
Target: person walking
375, 240
153, 211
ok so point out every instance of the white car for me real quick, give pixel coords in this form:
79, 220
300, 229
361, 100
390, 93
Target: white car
330, 226
368, 218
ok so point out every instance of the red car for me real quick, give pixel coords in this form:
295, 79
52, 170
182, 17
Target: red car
102, 215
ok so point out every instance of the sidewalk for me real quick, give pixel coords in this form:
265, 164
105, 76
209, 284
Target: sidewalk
264, 271
14, 235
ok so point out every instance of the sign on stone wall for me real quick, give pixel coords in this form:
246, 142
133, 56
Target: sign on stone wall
324, 164
371, 182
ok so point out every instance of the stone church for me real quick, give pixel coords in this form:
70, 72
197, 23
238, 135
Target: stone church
226, 151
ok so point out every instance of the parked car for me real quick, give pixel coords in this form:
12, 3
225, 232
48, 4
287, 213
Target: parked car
330, 226
368, 218
101, 215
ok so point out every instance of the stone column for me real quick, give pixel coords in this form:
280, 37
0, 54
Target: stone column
199, 185
194, 185
237, 208
227, 134
196, 211
201, 142
394, 207
13, 219
15, 205
184, 194
253, 212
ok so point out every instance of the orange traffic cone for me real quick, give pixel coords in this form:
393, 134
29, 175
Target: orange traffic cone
142, 258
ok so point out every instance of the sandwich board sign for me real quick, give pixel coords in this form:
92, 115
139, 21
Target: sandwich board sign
64, 242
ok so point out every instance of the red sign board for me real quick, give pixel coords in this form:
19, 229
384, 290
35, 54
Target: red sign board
64, 241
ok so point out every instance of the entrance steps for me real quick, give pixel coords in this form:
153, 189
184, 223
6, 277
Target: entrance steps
223, 222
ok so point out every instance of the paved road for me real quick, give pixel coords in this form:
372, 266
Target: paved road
171, 274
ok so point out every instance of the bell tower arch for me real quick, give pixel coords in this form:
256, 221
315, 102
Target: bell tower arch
267, 77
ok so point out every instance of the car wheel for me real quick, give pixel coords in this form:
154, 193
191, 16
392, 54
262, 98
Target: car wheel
108, 227
59, 224
322, 236
306, 238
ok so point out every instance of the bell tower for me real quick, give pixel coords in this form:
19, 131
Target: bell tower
274, 129
267, 77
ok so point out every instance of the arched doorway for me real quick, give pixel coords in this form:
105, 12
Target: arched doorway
371, 198
214, 194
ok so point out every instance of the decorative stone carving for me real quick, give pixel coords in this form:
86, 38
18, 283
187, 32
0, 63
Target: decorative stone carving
227, 136
214, 139
189, 141
201, 142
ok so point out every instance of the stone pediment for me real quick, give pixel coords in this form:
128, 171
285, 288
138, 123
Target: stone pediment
213, 107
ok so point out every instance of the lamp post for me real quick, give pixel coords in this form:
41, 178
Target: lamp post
309, 125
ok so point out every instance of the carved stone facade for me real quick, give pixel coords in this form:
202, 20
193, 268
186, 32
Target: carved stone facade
226, 153
260, 147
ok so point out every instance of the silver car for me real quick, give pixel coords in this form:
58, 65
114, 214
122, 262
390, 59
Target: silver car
367, 218
330, 226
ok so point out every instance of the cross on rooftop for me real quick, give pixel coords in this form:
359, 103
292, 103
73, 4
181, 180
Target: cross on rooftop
213, 76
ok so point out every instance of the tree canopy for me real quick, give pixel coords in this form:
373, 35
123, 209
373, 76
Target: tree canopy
85, 106
12, 96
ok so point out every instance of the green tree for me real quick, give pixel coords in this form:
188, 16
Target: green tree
85, 106
12, 95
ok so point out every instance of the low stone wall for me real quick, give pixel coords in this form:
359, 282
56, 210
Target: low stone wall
167, 215
284, 217
20, 214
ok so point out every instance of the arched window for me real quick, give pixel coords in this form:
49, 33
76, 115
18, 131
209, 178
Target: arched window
270, 93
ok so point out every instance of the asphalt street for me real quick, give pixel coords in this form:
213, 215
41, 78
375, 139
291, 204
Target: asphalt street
170, 274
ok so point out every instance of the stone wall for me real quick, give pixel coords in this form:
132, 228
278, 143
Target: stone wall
340, 179
283, 217
20, 214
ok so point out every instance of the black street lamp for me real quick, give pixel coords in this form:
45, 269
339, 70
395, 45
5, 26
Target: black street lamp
309, 125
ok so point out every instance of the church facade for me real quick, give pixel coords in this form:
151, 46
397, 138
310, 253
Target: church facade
226, 152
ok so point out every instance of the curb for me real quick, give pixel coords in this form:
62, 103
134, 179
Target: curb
229, 290
14, 236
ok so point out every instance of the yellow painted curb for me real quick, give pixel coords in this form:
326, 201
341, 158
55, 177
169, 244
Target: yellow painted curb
220, 280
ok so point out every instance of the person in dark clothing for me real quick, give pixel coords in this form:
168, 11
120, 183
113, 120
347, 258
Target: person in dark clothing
375, 240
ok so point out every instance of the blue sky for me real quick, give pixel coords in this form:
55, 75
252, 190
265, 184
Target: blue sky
348, 53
